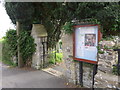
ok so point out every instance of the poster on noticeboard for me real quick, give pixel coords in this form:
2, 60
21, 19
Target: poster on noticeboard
85, 43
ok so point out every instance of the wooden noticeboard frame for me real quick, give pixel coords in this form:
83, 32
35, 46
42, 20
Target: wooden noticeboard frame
99, 36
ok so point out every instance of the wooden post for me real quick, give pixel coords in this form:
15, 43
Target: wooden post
94, 73
81, 73
20, 61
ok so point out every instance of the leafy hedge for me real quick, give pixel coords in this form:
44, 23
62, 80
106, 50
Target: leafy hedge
27, 46
11, 42
9, 48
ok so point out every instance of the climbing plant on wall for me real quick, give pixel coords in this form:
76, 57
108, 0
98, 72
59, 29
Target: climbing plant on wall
27, 46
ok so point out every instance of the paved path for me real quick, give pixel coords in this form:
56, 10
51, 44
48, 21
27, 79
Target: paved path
29, 78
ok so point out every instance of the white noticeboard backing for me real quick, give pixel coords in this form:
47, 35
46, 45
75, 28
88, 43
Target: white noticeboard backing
86, 42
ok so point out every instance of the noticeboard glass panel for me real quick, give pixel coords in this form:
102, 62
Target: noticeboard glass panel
86, 42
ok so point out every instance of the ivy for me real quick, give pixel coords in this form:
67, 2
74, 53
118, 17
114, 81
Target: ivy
27, 45
68, 27
91, 21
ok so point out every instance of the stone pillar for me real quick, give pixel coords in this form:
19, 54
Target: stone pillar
38, 33
67, 49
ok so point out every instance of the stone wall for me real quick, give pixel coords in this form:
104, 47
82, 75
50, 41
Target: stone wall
71, 70
103, 79
67, 48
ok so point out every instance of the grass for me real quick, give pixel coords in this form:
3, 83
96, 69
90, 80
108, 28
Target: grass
8, 62
1, 40
58, 59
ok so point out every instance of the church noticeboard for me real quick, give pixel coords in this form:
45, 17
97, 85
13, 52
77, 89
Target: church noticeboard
86, 39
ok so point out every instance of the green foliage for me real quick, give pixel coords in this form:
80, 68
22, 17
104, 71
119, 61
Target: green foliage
106, 47
9, 49
101, 52
0, 51
27, 45
68, 27
91, 21
58, 59
108, 38
60, 44
9, 63
6, 55
54, 15
116, 47
11, 41
109, 18
21, 12
1, 40
51, 59
115, 70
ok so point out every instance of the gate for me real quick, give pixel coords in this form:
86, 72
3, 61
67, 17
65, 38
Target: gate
44, 51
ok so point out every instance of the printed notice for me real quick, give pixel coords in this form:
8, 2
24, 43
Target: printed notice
86, 42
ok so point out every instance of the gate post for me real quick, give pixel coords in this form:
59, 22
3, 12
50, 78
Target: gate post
39, 33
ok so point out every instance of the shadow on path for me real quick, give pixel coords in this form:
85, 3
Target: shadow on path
30, 78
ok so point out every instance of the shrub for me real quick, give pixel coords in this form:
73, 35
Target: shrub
27, 46
9, 48
11, 41
6, 55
